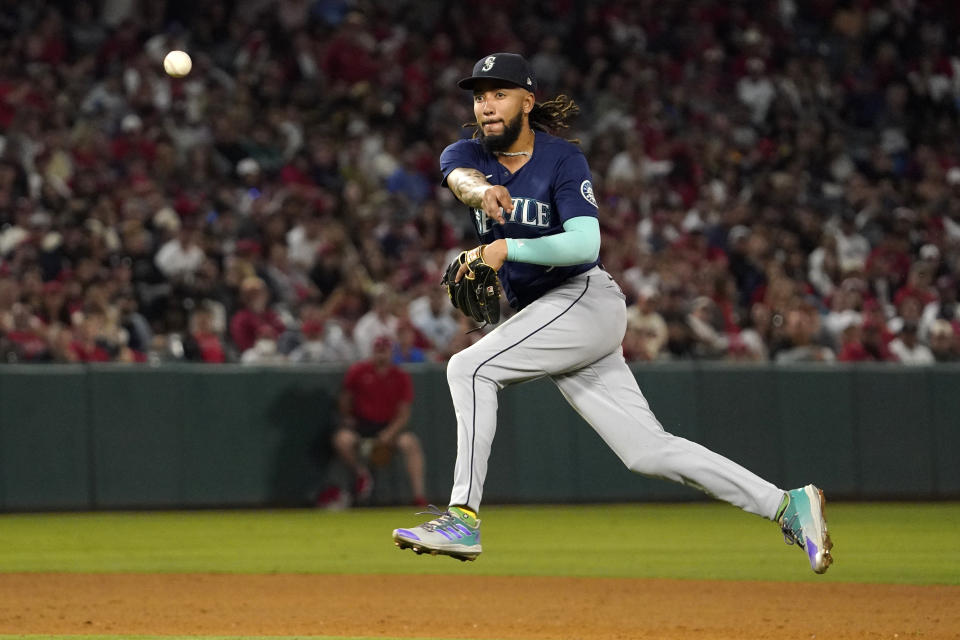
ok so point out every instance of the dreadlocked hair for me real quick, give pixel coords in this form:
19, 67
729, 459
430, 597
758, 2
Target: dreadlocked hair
549, 116
553, 115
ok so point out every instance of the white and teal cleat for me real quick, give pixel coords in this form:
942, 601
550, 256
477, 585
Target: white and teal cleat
454, 533
804, 524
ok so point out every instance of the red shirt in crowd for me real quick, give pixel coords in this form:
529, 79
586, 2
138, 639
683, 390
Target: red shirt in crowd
377, 394
246, 324
30, 345
89, 352
347, 60
923, 296
854, 352
211, 349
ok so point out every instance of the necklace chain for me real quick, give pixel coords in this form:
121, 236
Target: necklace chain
513, 153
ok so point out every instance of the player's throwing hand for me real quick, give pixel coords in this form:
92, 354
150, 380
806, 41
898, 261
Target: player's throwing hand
496, 201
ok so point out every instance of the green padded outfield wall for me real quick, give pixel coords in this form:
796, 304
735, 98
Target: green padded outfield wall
45, 457
115, 437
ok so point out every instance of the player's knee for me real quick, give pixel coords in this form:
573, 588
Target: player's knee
460, 367
344, 439
408, 442
652, 461
642, 463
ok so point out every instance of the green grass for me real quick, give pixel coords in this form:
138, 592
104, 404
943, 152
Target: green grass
895, 543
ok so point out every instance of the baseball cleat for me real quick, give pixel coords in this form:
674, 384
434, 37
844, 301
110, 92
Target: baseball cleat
803, 523
453, 533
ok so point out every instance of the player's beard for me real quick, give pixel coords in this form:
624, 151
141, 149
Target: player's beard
503, 141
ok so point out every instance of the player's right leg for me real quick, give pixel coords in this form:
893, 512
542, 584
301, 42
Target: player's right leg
561, 331
558, 332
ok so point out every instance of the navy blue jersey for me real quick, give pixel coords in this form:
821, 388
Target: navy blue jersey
552, 187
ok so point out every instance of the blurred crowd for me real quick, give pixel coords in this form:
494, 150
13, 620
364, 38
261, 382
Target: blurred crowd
778, 181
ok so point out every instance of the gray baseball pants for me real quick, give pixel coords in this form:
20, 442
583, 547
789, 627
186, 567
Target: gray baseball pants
572, 334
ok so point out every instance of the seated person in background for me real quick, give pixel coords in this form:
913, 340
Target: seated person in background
801, 337
907, 349
265, 349
204, 343
313, 348
406, 348
941, 341
431, 315
374, 410
246, 325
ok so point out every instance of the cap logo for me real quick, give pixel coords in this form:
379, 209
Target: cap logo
529, 81
488, 63
586, 190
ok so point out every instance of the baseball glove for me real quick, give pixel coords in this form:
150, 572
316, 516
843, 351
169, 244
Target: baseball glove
477, 295
381, 454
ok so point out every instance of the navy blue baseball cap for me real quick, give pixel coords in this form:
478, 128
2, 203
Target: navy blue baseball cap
509, 67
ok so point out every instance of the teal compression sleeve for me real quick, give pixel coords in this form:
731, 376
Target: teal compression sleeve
578, 243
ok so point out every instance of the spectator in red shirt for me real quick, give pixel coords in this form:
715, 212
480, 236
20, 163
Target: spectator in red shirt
875, 342
351, 55
374, 410
246, 323
25, 334
86, 345
53, 304
851, 343
919, 285
132, 142
204, 344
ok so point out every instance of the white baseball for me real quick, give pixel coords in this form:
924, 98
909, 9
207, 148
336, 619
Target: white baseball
177, 64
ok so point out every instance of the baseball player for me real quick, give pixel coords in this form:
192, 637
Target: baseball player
535, 212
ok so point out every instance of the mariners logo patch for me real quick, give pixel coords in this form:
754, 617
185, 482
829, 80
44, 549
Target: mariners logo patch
586, 190
488, 63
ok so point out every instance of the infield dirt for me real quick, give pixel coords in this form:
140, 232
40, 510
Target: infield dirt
470, 607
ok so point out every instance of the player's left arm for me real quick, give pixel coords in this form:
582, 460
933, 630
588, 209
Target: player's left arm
579, 242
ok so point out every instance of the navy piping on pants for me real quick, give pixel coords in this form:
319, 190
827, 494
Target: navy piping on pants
473, 427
